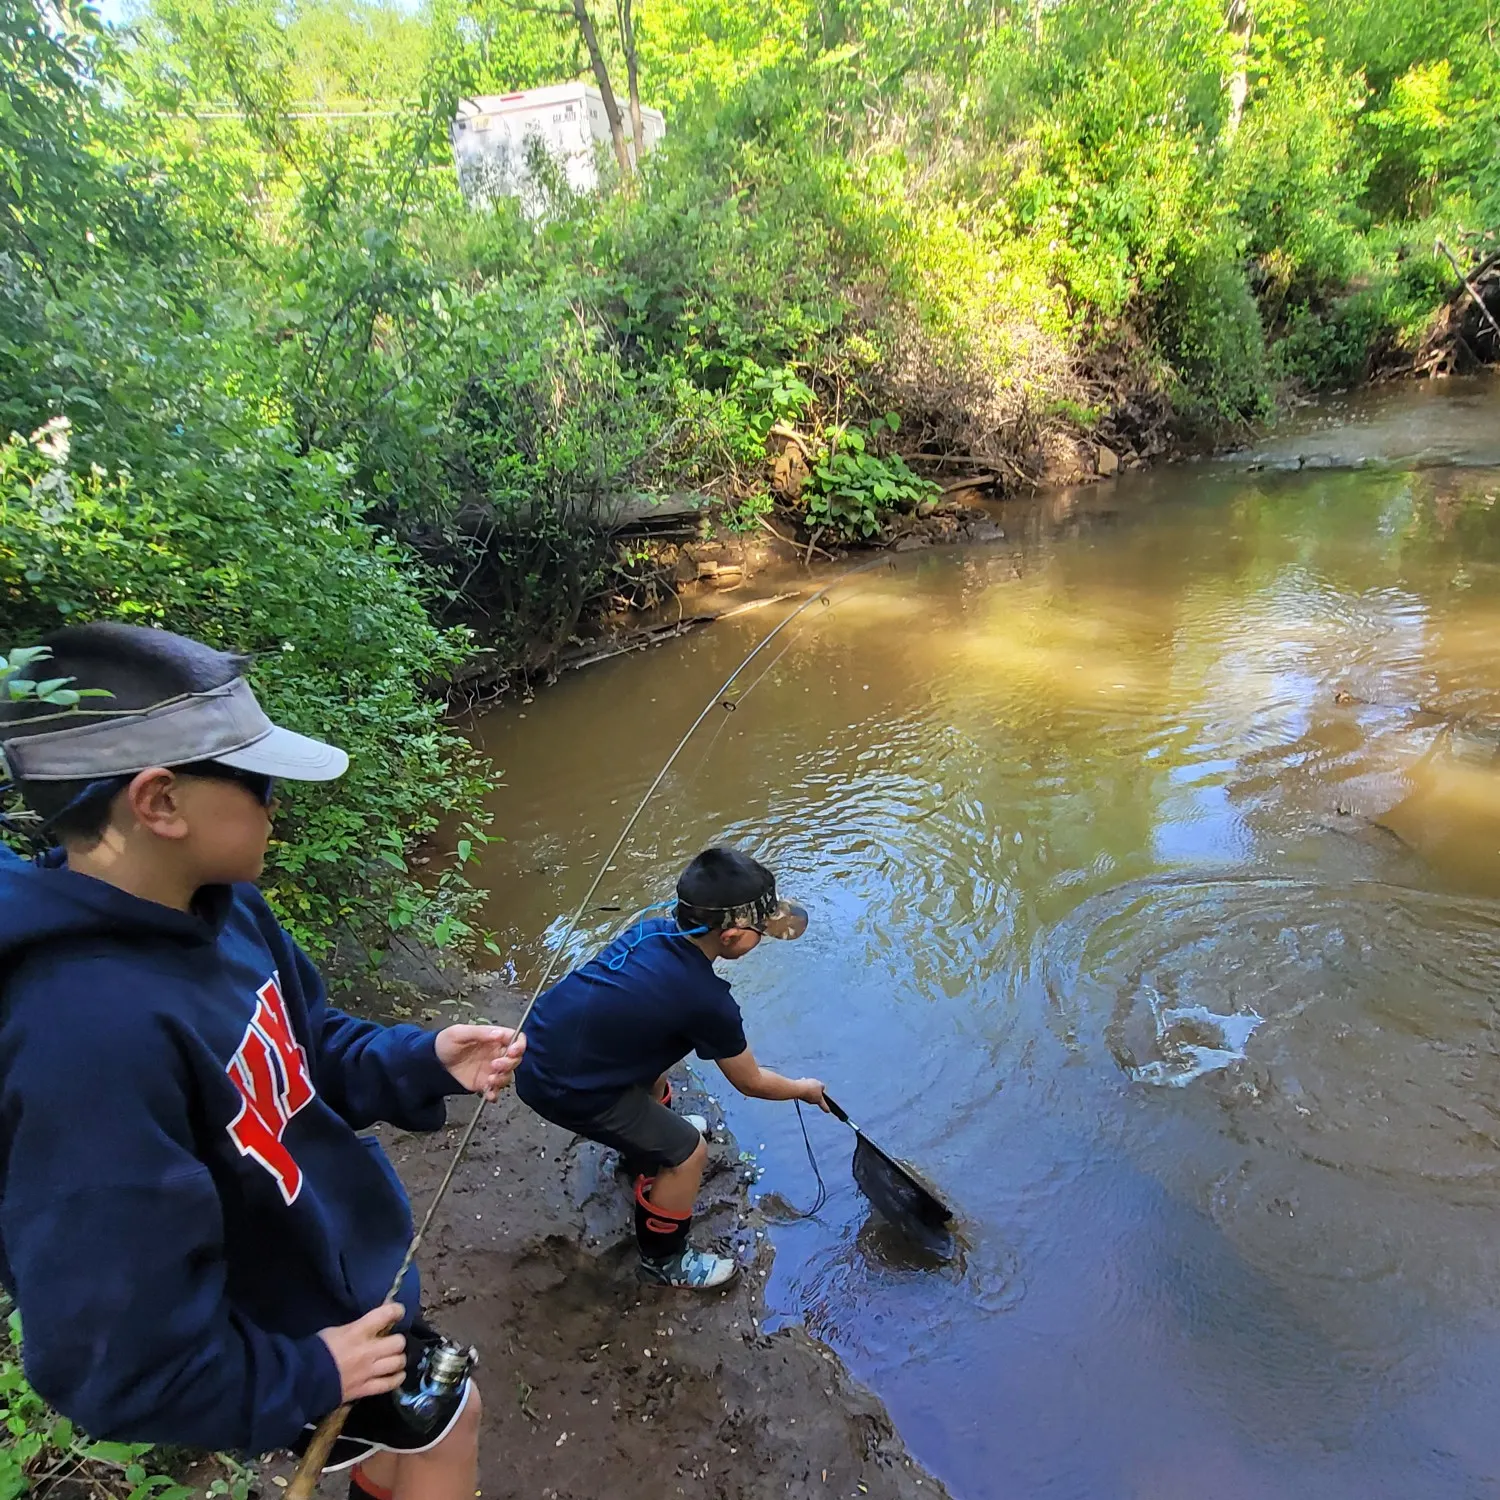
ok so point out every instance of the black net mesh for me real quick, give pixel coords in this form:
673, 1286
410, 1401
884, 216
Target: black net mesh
901, 1197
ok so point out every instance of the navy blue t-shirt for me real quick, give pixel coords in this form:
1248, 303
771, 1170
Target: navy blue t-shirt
606, 1029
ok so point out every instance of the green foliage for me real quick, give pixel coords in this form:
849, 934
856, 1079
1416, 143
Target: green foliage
1210, 330
266, 552
1431, 124
168, 481
1293, 180
491, 421
781, 395
54, 692
854, 489
748, 513
1333, 347
52, 186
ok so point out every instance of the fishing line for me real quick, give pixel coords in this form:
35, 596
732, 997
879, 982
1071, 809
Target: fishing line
730, 706
812, 1161
316, 1455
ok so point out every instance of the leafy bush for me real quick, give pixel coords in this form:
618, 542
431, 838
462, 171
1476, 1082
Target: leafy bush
1211, 331
854, 489
268, 553
1329, 349
1334, 345
1294, 180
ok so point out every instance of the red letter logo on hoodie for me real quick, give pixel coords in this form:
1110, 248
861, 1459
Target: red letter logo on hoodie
270, 1071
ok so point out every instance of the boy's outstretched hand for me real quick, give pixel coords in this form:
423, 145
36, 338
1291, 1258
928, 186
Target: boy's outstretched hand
810, 1091
482, 1058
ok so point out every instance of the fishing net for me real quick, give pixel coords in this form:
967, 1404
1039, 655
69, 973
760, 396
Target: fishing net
899, 1193
899, 1196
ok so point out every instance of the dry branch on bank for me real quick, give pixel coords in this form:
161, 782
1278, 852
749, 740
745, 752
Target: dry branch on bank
1465, 334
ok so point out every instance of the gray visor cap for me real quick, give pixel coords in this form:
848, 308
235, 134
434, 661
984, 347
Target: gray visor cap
225, 724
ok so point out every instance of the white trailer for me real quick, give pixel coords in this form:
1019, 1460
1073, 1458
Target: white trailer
492, 136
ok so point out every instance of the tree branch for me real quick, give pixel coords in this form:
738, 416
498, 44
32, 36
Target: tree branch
578, 11
1468, 286
606, 89
626, 18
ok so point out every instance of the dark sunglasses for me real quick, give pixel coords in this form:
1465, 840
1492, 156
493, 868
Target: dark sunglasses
259, 785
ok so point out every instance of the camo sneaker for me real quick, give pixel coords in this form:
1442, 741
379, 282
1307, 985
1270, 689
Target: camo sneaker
695, 1270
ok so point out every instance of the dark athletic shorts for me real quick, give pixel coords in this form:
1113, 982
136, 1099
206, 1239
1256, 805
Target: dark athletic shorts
642, 1129
368, 1432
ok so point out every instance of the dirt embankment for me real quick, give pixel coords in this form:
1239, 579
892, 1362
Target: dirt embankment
597, 1388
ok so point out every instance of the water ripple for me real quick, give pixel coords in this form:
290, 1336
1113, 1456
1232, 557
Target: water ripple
1354, 1024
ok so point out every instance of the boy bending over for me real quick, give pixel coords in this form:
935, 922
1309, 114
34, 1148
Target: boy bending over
601, 1041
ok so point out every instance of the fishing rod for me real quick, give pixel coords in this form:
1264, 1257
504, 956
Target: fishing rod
304, 1481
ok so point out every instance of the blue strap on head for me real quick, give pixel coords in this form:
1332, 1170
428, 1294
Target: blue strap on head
616, 964
38, 830
89, 793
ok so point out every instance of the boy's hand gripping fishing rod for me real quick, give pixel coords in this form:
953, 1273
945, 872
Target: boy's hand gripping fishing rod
305, 1480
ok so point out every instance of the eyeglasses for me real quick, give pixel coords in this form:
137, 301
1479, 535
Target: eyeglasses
259, 785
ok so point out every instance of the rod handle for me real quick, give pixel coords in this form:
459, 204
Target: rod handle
305, 1481
835, 1108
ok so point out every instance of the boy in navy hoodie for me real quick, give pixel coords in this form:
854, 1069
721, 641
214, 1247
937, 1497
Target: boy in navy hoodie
199, 1243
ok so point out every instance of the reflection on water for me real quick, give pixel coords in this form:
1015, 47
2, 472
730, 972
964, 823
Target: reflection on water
1153, 858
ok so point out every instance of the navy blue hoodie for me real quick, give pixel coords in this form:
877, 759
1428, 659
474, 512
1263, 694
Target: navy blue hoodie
184, 1202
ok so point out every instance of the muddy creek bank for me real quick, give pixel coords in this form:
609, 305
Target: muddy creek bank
594, 1386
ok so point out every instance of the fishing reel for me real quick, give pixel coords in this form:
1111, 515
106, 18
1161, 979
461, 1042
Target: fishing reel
430, 1396
414, 1416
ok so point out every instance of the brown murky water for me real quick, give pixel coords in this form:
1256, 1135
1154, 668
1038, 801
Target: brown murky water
1154, 863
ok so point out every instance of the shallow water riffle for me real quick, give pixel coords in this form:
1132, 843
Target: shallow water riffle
1153, 855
